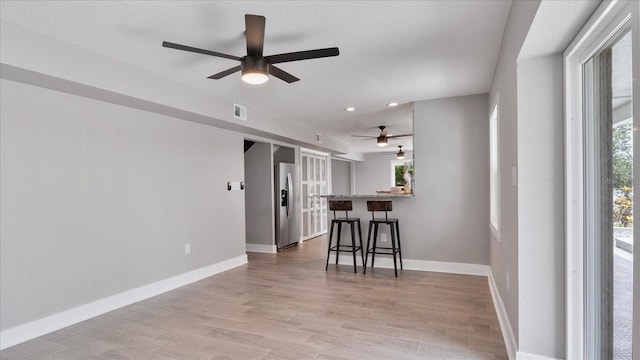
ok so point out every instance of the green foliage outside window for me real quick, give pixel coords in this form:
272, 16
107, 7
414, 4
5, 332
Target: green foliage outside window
622, 208
623, 175
399, 171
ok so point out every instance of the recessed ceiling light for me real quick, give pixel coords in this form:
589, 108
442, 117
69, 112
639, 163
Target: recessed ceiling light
350, 108
392, 104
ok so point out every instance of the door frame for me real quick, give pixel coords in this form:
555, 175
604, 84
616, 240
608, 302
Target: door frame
607, 21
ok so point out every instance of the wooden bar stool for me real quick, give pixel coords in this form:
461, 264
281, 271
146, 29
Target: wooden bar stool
394, 229
345, 206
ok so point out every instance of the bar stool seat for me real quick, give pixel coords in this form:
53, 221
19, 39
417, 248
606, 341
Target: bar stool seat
346, 206
394, 229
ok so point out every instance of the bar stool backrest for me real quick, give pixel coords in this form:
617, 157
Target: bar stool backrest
341, 205
378, 205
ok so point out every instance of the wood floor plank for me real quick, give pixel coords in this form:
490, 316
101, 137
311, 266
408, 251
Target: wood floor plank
286, 306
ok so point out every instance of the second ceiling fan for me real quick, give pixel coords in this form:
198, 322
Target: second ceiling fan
254, 66
383, 138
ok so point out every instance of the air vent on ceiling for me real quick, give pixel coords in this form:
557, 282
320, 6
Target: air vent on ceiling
319, 138
239, 112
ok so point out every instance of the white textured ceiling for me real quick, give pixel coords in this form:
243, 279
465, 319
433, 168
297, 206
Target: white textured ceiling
401, 51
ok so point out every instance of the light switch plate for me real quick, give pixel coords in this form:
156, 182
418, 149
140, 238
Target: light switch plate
514, 176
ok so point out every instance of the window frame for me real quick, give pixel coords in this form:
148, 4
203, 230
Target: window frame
494, 170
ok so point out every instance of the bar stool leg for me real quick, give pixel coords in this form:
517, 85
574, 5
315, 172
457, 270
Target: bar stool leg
366, 251
360, 237
375, 241
399, 246
338, 243
393, 248
329, 250
353, 247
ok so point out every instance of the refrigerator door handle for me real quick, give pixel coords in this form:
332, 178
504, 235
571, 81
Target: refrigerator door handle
289, 191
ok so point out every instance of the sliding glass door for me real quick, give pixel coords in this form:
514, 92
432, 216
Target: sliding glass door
602, 175
608, 154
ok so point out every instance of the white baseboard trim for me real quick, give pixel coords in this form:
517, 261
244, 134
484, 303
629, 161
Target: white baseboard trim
419, 265
261, 248
505, 325
34, 329
526, 356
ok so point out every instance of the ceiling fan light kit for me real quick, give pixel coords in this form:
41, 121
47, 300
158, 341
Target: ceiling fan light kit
383, 138
255, 67
254, 71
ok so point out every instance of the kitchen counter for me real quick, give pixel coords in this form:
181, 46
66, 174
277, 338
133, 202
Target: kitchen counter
401, 210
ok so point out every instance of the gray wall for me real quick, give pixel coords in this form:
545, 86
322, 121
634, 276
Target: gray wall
98, 199
258, 179
447, 219
283, 154
541, 226
504, 253
373, 173
340, 177
449, 215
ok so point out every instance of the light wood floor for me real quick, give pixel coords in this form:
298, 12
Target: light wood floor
286, 306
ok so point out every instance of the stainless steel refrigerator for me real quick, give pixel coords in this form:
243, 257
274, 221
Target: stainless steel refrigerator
287, 200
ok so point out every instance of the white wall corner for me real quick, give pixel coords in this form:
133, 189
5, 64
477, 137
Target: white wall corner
503, 318
261, 248
37, 328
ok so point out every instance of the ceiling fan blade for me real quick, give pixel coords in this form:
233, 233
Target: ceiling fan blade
199, 51
282, 75
222, 74
254, 31
365, 136
396, 136
303, 55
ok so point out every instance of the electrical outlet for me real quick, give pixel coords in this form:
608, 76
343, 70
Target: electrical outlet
508, 285
187, 249
383, 237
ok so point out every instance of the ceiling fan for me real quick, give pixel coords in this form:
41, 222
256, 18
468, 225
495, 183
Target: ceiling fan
254, 66
383, 138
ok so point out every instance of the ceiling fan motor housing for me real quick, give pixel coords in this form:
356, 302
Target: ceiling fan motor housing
250, 64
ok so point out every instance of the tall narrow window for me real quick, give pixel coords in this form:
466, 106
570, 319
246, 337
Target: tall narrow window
494, 175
